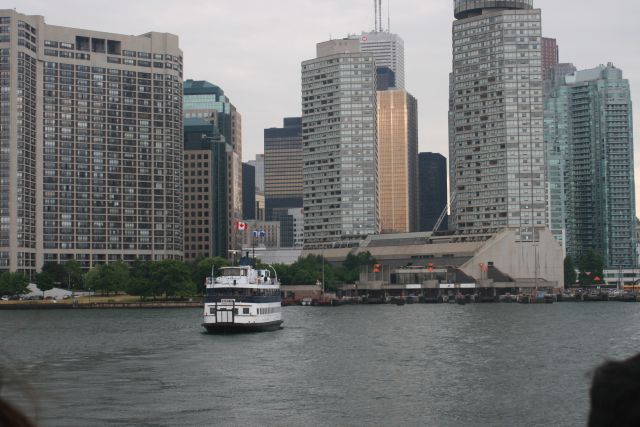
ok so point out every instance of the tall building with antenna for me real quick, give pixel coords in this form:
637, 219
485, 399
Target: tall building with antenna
387, 48
497, 155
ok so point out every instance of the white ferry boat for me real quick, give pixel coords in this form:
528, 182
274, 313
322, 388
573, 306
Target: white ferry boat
242, 299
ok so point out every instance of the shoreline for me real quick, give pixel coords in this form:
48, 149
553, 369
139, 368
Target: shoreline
100, 305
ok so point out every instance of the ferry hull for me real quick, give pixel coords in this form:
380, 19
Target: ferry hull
233, 328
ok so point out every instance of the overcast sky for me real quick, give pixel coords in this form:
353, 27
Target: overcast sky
253, 48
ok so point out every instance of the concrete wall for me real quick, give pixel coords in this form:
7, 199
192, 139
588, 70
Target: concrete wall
517, 259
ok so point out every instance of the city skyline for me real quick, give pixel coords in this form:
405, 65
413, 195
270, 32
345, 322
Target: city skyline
245, 37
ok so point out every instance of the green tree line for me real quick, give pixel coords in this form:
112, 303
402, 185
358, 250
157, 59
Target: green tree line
13, 284
172, 278
146, 279
308, 271
590, 270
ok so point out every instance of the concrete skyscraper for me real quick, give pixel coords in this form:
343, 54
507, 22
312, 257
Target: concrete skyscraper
340, 150
497, 157
90, 145
550, 56
387, 50
588, 126
398, 156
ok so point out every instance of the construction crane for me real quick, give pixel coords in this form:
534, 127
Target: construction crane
444, 212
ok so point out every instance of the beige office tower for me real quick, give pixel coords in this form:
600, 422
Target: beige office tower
497, 157
90, 145
398, 156
235, 180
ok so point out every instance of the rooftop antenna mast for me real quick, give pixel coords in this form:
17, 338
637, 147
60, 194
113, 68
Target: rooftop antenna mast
388, 16
375, 16
380, 15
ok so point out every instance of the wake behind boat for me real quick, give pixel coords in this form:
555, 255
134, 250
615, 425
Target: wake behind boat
242, 299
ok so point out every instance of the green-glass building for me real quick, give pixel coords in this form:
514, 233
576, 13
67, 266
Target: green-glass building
212, 171
205, 205
589, 149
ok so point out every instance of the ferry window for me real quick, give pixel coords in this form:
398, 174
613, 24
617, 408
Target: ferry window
245, 311
212, 310
235, 311
234, 272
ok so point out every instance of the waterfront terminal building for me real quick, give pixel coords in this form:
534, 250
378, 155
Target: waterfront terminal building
91, 136
426, 261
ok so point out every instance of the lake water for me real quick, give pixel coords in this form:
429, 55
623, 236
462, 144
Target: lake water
427, 365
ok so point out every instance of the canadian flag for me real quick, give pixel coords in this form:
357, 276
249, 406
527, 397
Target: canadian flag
242, 226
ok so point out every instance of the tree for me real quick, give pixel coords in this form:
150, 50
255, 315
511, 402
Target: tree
57, 273
569, 272
116, 275
350, 270
283, 272
92, 278
140, 280
307, 271
13, 284
171, 278
590, 266
45, 281
74, 274
108, 278
203, 268
140, 286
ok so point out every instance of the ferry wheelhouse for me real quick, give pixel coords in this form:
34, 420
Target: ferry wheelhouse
242, 299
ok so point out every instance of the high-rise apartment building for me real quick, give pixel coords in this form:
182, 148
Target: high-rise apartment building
432, 190
550, 56
207, 101
283, 180
90, 145
497, 161
556, 135
397, 166
340, 150
451, 121
387, 50
588, 125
